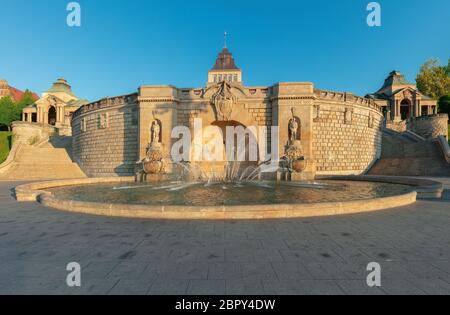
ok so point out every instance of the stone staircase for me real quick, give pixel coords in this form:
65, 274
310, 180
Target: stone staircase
49, 160
406, 155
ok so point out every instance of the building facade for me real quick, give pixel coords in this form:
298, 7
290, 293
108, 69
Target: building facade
55, 107
339, 133
15, 94
402, 100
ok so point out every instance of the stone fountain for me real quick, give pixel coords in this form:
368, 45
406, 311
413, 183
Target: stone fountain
153, 166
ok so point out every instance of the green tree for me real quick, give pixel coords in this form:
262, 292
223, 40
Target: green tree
434, 80
444, 104
26, 100
6, 111
12, 111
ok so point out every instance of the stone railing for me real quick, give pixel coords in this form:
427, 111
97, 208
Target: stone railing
346, 97
430, 127
427, 127
32, 133
106, 102
11, 157
443, 143
399, 126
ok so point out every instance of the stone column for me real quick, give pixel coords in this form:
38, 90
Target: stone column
397, 110
45, 116
38, 115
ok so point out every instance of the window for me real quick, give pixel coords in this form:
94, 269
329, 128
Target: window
235, 79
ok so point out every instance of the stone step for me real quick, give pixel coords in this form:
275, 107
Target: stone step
44, 162
401, 156
31, 171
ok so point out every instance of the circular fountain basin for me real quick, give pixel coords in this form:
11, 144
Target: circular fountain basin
121, 197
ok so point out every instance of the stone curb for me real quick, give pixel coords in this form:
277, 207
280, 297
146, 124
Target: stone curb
425, 188
37, 192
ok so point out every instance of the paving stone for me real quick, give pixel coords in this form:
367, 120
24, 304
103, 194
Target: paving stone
206, 287
297, 256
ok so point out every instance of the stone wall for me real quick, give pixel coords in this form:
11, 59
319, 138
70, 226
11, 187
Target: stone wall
430, 127
339, 132
105, 136
32, 133
347, 133
399, 126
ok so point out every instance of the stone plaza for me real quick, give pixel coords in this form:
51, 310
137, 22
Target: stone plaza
297, 256
184, 237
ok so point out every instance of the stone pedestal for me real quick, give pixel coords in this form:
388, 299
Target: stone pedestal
150, 178
304, 176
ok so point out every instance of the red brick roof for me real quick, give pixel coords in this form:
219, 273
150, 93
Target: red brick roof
17, 94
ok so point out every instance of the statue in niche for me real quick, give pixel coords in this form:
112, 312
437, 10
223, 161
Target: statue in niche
293, 129
155, 132
294, 125
294, 159
153, 163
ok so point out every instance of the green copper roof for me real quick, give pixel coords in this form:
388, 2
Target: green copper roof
60, 86
78, 103
395, 78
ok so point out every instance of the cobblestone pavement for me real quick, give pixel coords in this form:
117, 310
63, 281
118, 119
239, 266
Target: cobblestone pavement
298, 256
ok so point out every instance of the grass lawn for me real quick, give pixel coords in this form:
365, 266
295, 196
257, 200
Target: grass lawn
5, 144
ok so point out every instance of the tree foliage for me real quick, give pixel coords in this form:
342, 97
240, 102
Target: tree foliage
6, 111
434, 80
12, 111
444, 104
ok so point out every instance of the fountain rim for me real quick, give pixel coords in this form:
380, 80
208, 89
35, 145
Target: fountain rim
421, 188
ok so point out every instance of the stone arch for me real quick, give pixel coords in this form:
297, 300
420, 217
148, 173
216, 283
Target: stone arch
405, 108
51, 115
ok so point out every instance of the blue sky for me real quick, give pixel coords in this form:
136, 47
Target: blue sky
124, 44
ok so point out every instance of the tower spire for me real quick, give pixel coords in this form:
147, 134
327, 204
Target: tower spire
225, 39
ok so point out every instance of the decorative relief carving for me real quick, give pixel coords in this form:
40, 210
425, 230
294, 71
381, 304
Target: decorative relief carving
103, 122
348, 116
223, 101
316, 112
371, 120
407, 94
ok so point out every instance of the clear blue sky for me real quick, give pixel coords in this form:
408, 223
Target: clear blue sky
124, 44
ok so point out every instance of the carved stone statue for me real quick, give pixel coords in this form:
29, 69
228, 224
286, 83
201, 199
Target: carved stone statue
293, 130
155, 132
294, 157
